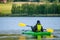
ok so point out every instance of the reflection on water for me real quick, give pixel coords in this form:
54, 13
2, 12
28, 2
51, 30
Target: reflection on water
38, 37
44, 37
22, 38
51, 36
29, 37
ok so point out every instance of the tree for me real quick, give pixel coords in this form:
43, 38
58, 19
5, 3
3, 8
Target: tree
19, 0
59, 0
51, 0
36, 0
58, 9
3, 1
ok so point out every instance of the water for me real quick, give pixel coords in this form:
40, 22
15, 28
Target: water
14, 35
9, 29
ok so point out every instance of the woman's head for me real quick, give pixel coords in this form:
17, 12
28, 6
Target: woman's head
38, 22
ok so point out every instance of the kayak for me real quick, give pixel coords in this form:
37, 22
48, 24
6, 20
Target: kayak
36, 33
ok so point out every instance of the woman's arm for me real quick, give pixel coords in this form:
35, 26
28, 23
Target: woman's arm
33, 29
42, 29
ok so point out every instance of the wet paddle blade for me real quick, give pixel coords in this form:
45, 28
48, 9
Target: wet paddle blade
22, 24
49, 30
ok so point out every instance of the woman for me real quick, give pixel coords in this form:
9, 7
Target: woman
38, 27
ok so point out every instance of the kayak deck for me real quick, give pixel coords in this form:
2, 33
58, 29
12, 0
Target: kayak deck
37, 33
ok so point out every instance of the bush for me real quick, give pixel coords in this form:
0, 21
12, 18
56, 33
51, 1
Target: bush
58, 9
31, 9
14, 9
51, 9
59, 0
40, 9
51, 0
36, 9
19, 0
27, 0
10, 0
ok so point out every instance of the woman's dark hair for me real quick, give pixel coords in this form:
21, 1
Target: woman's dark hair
38, 22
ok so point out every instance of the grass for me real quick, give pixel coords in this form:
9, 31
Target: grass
5, 8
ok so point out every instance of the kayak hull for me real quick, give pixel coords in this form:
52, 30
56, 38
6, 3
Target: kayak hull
36, 33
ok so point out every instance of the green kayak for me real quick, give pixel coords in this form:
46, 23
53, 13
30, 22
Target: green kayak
36, 33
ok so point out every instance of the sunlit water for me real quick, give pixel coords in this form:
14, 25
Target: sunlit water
9, 26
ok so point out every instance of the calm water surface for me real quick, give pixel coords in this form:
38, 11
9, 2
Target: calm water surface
9, 26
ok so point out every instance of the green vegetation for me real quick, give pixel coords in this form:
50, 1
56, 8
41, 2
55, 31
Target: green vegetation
10, 0
35, 0
19, 0
5, 1
5, 9
33, 9
47, 9
58, 9
26, 0
51, 0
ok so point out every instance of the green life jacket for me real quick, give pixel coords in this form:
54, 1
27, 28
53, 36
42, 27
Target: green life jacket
38, 27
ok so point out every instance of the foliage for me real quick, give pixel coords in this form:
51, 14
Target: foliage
19, 0
58, 9
51, 0
10, 0
36, 9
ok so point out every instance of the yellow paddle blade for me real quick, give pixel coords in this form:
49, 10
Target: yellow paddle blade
49, 30
21, 24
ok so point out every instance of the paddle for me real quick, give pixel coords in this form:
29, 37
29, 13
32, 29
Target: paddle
23, 25
48, 29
